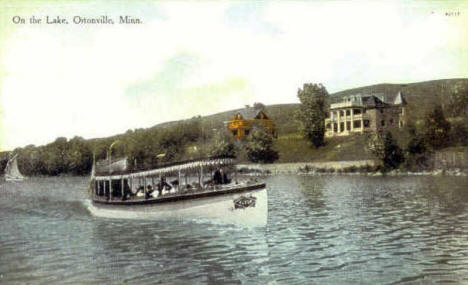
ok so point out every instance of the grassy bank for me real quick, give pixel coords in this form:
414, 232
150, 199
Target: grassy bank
294, 148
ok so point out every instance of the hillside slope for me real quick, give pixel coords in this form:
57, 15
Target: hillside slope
421, 96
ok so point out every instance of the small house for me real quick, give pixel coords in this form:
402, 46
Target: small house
244, 120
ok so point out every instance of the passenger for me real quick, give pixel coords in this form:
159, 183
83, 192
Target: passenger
149, 192
141, 189
225, 178
163, 185
126, 191
218, 177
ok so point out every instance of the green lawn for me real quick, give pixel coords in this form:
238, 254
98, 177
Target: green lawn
294, 148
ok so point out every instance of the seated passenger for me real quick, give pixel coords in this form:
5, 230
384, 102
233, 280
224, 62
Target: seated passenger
217, 177
163, 185
126, 192
220, 177
149, 192
140, 189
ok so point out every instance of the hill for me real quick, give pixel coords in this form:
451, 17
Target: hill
421, 96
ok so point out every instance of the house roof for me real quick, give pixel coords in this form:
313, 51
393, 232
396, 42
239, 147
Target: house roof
399, 99
375, 99
250, 113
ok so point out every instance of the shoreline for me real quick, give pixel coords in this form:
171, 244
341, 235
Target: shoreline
349, 168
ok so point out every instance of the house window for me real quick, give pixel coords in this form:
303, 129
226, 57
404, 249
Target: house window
356, 111
234, 132
382, 123
348, 112
357, 124
247, 132
335, 127
366, 123
348, 126
328, 126
341, 127
341, 113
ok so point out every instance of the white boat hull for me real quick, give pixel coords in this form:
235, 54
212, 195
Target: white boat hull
220, 208
14, 179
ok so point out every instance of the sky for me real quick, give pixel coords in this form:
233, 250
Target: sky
199, 58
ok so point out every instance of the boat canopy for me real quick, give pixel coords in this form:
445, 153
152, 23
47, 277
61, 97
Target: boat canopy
170, 168
117, 165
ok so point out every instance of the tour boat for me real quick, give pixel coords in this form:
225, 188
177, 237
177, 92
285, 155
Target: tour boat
12, 172
193, 189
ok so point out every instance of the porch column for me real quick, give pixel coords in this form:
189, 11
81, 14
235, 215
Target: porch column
235, 174
201, 176
351, 111
110, 188
178, 175
338, 121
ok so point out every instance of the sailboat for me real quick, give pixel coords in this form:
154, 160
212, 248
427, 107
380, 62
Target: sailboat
12, 172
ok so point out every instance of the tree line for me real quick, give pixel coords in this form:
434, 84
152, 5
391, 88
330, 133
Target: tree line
143, 148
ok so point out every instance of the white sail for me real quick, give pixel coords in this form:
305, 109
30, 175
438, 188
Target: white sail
12, 172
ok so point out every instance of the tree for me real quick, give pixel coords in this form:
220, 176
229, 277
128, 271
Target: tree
386, 149
312, 112
259, 146
80, 156
375, 145
458, 100
436, 128
416, 153
223, 145
258, 106
393, 155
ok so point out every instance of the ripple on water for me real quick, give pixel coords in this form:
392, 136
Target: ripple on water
325, 230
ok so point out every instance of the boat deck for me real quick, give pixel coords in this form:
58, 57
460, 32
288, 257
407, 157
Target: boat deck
180, 196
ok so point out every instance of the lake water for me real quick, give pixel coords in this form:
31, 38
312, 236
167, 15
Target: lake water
322, 230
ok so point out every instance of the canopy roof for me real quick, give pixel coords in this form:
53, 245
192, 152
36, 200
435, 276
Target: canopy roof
171, 168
